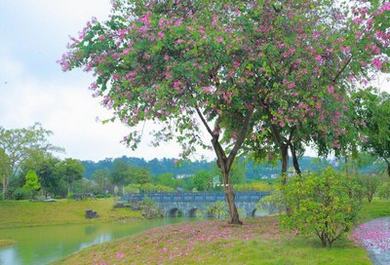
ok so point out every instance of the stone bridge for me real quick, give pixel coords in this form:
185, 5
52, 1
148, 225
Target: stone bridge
188, 203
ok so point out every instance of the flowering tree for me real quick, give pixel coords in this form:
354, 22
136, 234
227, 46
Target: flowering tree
373, 113
228, 66
328, 57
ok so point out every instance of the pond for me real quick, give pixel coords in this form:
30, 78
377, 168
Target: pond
45, 244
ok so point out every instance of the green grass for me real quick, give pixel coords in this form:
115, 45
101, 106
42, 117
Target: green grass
6, 243
267, 245
26, 213
373, 210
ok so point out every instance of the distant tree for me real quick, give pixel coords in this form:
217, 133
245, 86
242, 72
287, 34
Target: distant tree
370, 185
102, 178
19, 143
32, 183
373, 111
202, 180
138, 175
70, 170
44, 164
5, 169
166, 179
119, 172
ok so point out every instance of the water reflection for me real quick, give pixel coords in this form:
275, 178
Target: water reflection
43, 245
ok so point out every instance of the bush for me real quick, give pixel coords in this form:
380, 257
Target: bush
384, 190
21, 194
149, 209
370, 184
325, 205
217, 210
273, 203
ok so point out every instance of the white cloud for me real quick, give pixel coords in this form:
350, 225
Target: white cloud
70, 112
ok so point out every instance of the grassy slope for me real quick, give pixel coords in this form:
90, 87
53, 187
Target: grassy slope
25, 213
258, 242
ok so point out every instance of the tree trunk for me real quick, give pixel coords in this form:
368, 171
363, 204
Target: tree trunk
225, 167
295, 160
284, 154
230, 199
5, 187
388, 168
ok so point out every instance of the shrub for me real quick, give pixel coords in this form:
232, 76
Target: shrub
325, 205
272, 204
217, 210
384, 190
370, 184
21, 194
149, 209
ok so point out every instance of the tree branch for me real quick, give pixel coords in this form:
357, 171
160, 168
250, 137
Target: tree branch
342, 70
240, 140
204, 121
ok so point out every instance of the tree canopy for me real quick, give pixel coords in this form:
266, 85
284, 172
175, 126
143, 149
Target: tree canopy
235, 67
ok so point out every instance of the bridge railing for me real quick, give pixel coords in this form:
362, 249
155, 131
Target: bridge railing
161, 197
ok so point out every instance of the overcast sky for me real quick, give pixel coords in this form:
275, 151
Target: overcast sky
34, 34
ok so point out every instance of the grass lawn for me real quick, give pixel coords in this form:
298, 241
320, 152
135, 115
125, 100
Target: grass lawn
26, 213
258, 241
376, 209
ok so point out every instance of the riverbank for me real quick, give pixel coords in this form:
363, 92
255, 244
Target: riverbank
26, 213
258, 241
7, 243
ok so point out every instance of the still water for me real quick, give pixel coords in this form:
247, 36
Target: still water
45, 244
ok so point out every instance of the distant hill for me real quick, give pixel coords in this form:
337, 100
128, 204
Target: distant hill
168, 165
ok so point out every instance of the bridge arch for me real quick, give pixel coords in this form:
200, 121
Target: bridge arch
175, 212
193, 212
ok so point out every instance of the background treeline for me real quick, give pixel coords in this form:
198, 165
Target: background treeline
253, 170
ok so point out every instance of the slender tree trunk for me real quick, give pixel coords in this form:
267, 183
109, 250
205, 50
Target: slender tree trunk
295, 160
388, 167
5, 187
230, 199
284, 154
225, 168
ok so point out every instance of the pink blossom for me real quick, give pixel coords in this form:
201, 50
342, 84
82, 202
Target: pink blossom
208, 89
291, 85
377, 63
161, 34
316, 34
330, 89
120, 255
177, 85
214, 20
178, 22
319, 59
219, 39
346, 49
